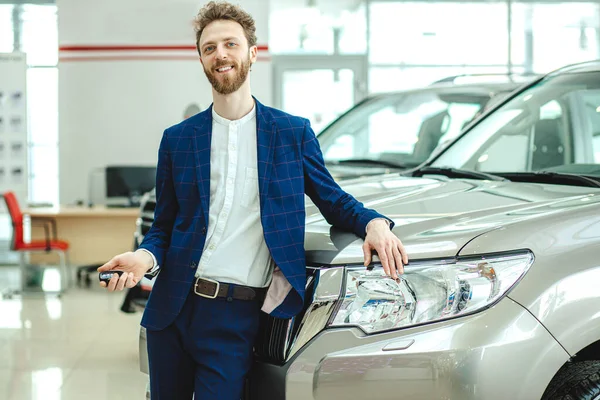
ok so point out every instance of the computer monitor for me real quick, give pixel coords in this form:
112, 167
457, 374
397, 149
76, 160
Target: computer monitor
125, 185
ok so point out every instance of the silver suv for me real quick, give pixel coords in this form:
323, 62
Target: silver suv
501, 299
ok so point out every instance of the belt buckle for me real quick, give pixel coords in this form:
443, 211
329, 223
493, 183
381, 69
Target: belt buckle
217, 287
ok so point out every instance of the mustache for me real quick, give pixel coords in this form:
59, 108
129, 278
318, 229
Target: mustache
224, 64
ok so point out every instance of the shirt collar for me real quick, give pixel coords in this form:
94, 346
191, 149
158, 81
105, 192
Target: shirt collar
224, 121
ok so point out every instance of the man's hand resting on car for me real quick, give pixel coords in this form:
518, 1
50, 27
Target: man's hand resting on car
135, 265
389, 248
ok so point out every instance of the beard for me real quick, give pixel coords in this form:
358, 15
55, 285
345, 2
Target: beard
229, 84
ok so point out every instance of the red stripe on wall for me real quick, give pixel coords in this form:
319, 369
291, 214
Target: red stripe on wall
140, 58
137, 48
129, 58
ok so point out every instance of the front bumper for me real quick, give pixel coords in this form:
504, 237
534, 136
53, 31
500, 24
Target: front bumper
501, 353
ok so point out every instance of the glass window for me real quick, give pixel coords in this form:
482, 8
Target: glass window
40, 34
295, 27
43, 190
596, 144
353, 30
336, 94
568, 29
42, 102
542, 128
403, 128
591, 108
46, 162
39, 39
520, 32
6, 28
438, 33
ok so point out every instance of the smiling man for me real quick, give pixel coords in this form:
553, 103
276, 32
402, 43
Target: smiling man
226, 75
228, 232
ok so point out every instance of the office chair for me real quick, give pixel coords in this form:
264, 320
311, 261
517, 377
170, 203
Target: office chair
49, 244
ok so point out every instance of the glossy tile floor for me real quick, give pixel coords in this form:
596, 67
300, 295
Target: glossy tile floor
76, 346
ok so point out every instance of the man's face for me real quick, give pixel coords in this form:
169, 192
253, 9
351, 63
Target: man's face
225, 55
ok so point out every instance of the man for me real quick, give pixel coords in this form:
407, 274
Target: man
228, 233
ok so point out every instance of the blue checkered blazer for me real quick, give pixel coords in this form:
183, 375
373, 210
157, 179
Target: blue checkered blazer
290, 164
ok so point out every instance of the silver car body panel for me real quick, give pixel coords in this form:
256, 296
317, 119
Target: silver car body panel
435, 218
501, 353
565, 283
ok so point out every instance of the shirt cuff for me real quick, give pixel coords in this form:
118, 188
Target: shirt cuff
375, 219
154, 270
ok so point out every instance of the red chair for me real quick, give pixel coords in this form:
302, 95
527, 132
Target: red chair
49, 244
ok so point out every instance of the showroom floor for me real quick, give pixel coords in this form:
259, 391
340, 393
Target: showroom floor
77, 346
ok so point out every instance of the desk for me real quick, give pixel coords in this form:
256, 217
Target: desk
95, 234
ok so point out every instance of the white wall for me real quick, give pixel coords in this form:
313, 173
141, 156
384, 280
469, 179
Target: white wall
114, 105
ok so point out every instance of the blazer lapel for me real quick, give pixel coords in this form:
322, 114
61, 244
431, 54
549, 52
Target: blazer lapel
202, 141
266, 129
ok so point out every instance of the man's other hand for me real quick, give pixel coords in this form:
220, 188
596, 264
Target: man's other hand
135, 266
389, 248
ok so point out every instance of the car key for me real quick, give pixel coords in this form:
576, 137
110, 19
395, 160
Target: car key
106, 275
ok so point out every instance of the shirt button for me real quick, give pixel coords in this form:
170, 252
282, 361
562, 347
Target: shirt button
211, 247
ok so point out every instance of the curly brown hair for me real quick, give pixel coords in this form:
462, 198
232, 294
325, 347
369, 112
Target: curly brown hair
220, 10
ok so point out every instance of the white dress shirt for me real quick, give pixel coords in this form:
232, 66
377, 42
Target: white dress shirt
235, 250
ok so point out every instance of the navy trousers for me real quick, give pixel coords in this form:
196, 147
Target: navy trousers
207, 351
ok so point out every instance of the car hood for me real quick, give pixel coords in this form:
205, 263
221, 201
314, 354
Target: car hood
435, 218
343, 172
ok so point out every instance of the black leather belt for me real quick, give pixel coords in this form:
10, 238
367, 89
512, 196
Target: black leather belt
212, 289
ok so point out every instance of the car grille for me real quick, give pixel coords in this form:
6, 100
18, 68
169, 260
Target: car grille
272, 340
276, 335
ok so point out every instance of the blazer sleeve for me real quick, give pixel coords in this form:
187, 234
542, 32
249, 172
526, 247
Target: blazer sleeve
158, 238
339, 208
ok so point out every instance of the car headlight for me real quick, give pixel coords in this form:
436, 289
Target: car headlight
426, 293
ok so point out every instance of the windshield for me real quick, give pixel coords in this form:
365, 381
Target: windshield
401, 128
552, 126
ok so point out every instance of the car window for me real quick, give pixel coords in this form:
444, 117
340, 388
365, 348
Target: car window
403, 129
591, 111
552, 125
509, 151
